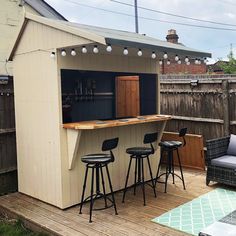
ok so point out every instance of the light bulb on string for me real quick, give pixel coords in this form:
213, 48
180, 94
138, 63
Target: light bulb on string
188, 63
125, 52
160, 62
199, 62
168, 62
176, 57
205, 60
73, 52
196, 61
84, 50
140, 53
186, 59
154, 55
95, 49
165, 56
179, 62
109, 48
53, 55
63, 52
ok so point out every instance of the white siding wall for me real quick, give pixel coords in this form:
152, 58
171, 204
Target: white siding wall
11, 16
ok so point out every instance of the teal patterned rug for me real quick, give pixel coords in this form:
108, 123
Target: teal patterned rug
199, 213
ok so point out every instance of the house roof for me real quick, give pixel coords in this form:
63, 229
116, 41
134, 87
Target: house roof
131, 39
44, 9
111, 36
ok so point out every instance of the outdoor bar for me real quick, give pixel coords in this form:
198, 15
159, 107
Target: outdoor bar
76, 86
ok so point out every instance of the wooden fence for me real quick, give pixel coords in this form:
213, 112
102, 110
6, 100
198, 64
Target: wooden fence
8, 166
204, 104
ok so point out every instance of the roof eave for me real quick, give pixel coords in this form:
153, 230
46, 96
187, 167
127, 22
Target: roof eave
132, 44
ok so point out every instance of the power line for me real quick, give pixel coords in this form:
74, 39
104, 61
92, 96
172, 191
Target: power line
171, 14
152, 19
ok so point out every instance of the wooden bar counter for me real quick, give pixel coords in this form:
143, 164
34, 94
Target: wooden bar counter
87, 137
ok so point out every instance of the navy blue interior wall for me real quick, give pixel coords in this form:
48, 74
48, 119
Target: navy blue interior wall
77, 107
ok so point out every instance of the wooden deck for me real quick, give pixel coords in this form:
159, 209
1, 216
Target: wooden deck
133, 218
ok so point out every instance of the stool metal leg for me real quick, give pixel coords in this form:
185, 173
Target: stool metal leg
91, 196
168, 170
143, 183
84, 187
135, 176
103, 186
181, 171
150, 170
112, 193
159, 166
172, 167
126, 181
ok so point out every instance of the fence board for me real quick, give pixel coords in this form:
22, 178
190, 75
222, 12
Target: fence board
206, 109
8, 164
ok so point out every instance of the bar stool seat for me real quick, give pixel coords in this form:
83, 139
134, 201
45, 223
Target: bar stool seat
139, 154
170, 144
96, 158
139, 151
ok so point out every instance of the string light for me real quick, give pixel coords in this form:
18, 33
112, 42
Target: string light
154, 55
188, 63
109, 48
53, 55
199, 62
168, 62
84, 49
160, 62
140, 53
205, 60
125, 52
73, 52
186, 59
63, 52
165, 56
179, 62
176, 57
95, 49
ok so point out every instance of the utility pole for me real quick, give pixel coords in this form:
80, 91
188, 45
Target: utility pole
136, 15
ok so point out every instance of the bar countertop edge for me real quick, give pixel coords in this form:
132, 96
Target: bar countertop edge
98, 124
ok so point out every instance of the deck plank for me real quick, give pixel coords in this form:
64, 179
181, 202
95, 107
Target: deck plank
133, 218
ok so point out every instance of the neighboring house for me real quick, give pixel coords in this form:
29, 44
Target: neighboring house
11, 17
216, 67
183, 68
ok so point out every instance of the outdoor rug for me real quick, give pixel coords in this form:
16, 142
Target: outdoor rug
199, 213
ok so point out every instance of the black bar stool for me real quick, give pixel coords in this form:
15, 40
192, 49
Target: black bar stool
97, 162
169, 147
139, 153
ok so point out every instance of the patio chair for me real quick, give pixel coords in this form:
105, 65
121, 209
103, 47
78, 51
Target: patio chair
221, 160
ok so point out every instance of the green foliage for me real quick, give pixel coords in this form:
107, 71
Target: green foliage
16, 229
230, 66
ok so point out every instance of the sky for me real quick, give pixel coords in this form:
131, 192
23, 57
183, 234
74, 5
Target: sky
214, 41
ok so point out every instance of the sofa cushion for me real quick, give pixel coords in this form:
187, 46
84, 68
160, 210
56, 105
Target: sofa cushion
232, 145
227, 161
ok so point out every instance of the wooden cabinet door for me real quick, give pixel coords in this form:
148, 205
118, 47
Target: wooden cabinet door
127, 96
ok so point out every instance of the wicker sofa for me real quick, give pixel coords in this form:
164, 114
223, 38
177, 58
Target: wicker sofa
221, 161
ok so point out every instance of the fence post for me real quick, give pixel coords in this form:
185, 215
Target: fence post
225, 103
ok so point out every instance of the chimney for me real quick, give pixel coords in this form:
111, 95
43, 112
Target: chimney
172, 37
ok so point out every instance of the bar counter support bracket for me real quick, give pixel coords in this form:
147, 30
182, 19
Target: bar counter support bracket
73, 138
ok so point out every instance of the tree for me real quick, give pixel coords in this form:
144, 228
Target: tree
230, 66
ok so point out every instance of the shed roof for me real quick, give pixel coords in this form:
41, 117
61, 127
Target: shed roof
44, 9
111, 36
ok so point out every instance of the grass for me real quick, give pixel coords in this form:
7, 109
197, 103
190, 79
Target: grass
15, 228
